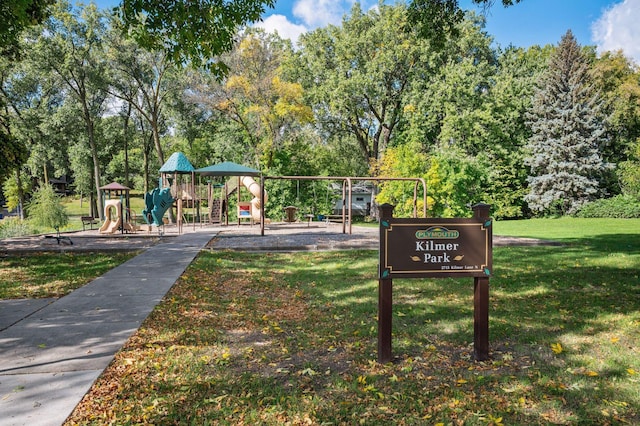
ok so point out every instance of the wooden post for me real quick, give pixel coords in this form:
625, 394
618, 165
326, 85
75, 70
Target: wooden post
385, 298
481, 301
262, 206
385, 312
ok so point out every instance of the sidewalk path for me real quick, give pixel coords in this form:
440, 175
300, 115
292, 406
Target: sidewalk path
50, 359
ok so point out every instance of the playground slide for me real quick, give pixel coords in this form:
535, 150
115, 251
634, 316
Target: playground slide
256, 202
112, 219
157, 202
110, 226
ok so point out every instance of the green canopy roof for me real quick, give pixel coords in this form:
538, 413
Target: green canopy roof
177, 163
228, 168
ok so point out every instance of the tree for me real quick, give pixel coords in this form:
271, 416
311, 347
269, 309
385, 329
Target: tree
405, 160
567, 126
256, 95
12, 152
510, 99
27, 125
452, 105
629, 172
46, 209
142, 79
618, 79
15, 16
71, 50
195, 31
358, 76
436, 20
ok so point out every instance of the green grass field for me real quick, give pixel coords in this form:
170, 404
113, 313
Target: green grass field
277, 339
41, 275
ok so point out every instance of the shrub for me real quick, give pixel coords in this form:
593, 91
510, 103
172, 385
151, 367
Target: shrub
620, 206
46, 209
13, 227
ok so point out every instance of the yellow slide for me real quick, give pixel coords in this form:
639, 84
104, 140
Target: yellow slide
256, 202
112, 217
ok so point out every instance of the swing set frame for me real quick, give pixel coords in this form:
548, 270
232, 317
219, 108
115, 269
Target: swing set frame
347, 194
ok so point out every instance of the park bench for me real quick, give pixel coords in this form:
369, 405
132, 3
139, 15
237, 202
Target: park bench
333, 218
88, 220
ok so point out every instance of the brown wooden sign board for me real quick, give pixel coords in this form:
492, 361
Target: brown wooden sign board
432, 248
435, 248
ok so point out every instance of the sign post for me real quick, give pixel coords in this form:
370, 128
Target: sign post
435, 248
385, 296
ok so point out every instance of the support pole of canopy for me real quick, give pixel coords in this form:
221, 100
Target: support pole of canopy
262, 203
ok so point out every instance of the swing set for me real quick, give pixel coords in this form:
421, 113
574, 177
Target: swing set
346, 215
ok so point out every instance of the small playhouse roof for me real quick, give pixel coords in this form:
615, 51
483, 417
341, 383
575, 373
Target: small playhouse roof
115, 186
228, 168
177, 163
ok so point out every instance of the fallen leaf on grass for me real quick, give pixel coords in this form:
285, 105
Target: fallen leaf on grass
308, 372
556, 348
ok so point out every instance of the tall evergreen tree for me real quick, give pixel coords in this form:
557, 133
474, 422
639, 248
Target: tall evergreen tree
567, 128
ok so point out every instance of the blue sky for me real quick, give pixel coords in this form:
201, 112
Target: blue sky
607, 24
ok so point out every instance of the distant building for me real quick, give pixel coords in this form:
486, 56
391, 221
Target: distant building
62, 185
361, 195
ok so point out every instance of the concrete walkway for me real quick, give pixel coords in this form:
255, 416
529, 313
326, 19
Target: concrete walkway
51, 351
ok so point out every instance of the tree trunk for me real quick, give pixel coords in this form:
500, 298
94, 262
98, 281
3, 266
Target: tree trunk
145, 172
126, 147
93, 207
156, 140
96, 161
20, 194
145, 152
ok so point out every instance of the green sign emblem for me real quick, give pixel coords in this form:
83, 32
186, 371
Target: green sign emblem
437, 232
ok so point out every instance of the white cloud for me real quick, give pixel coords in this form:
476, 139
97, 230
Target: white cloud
310, 14
283, 26
319, 13
618, 29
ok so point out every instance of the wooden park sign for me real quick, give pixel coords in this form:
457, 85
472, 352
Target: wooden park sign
435, 248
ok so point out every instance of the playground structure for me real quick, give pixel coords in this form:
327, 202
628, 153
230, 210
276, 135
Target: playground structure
257, 201
157, 202
118, 216
113, 219
175, 189
218, 196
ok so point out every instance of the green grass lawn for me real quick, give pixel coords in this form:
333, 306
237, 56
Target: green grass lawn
41, 275
568, 229
273, 339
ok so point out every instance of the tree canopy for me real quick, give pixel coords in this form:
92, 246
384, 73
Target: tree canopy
17, 15
437, 20
369, 97
190, 31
